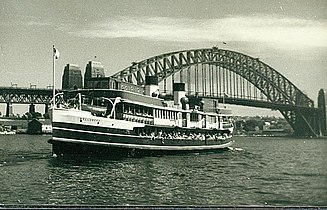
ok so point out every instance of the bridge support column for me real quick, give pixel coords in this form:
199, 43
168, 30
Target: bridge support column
32, 108
322, 105
46, 111
9, 110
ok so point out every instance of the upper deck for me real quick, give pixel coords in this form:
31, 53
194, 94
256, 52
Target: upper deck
153, 102
113, 93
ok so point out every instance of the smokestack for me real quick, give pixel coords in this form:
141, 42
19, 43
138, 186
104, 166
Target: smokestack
151, 86
179, 93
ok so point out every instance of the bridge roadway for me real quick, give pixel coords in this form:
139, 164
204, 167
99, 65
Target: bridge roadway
25, 95
44, 96
252, 102
31, 96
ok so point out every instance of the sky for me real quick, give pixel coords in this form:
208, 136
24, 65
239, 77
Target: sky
290, 36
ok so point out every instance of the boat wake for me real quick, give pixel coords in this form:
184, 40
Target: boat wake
235, 149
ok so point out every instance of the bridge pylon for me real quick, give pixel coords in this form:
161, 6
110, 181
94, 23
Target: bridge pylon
322, 115
9, 109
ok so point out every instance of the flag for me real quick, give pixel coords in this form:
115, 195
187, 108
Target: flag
55, 53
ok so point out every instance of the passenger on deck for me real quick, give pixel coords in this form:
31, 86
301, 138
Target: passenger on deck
184, 136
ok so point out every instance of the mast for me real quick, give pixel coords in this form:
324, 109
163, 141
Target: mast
53, 76
55, 56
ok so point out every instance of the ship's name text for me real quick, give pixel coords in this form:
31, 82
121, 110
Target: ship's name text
84, 119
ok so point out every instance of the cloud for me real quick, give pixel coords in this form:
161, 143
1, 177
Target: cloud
280, 32
11, 23
37, 23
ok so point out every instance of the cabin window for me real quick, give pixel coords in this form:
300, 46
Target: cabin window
184, 115
135, 113
137, 110
97, 106
126, 108
150, 112
86, 100
194, 117
119, 107
211, 119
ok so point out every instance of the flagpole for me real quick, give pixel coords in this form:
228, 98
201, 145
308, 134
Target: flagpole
53, 76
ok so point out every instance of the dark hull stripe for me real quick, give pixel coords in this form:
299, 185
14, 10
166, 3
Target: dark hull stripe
141, 147
123, 138
78, 150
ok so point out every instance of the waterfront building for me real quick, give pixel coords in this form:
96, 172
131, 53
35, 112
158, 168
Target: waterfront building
34, 127
46, 128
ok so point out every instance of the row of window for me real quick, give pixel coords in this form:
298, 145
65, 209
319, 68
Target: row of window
134, 109
165, 114
138, 110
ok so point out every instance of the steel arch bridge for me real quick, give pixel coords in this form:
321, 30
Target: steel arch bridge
236, 77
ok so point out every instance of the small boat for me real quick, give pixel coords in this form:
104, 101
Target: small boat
7, 132
115, 122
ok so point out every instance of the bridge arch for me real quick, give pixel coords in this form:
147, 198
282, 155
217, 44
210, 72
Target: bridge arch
205, 64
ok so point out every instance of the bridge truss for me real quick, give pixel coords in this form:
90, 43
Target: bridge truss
25, 95
216, 73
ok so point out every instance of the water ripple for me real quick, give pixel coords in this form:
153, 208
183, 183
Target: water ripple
258, 171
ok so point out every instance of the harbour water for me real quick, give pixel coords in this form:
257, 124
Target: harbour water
256, 171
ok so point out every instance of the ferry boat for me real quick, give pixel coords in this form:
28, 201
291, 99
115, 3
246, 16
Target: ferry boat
115, 122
